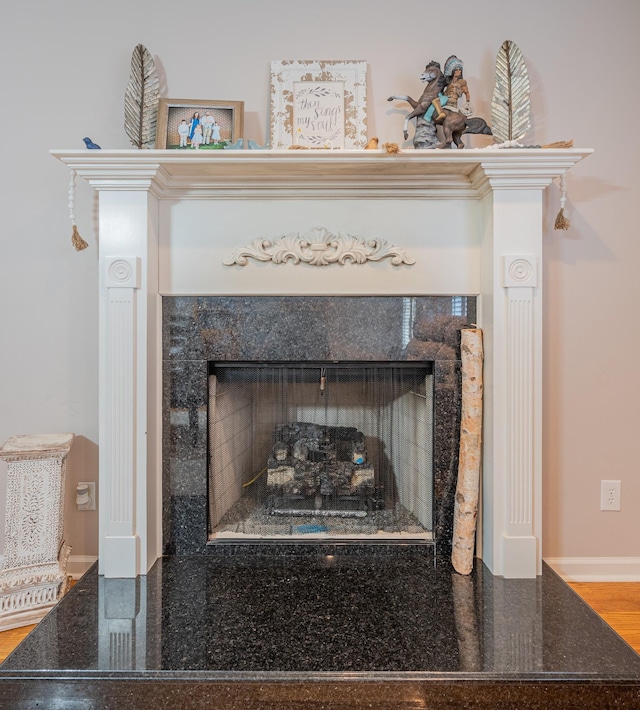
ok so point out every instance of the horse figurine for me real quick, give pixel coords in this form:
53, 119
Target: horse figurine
453, 122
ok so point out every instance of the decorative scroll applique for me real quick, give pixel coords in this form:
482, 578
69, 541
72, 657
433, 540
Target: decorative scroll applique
319, 247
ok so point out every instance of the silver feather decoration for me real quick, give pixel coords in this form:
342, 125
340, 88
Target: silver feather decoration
141, 99
510, 106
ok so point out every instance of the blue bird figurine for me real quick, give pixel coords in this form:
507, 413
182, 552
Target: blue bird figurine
90, 144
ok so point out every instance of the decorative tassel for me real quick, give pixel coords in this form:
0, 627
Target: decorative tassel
561, 221
391, 148
77, 241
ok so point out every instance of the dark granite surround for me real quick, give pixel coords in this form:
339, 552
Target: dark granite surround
264, 631
197, 330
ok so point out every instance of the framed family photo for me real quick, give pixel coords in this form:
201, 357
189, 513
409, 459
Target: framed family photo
194, 124
318, 103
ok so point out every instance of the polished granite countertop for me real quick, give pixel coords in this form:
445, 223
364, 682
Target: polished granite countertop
352, 625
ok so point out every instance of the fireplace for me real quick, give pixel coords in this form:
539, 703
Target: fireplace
262, 424
171, 225
341, 450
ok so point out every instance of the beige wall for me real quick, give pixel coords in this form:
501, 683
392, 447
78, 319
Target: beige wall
64, 67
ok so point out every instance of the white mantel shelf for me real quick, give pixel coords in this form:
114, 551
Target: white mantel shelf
474, 219
457, 173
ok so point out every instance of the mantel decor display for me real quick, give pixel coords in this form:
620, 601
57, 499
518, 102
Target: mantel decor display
318, 103
141, 99
199, 124
438, 107
511, 103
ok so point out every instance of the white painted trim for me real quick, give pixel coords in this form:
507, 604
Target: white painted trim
503, 192
79, 564
596, 569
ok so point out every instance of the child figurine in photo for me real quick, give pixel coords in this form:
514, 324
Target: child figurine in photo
183, 132
215, 133
196, 139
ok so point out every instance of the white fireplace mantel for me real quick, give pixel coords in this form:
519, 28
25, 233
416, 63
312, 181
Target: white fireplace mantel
473, 219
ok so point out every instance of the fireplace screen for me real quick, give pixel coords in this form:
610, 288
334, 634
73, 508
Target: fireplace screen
320, 450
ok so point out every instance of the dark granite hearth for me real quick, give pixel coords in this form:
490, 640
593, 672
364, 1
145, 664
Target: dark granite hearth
331, 631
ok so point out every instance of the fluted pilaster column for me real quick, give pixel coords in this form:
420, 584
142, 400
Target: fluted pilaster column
122, 281
520, 276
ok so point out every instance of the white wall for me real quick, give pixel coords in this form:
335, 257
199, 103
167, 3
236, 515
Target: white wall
64, 66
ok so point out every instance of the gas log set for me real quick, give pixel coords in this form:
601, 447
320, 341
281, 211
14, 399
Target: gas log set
321, 470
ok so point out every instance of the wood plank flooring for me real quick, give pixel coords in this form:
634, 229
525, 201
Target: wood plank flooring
618, 603
10, 639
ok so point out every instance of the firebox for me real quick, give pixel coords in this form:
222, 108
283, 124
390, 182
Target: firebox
320, 450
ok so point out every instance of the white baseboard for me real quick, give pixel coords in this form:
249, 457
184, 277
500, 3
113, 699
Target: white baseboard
79, 564
596, 569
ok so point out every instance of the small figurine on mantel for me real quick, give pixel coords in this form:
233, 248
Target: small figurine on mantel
438, 106
456, 86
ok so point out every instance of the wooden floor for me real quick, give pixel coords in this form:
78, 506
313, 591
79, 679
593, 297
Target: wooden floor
10, 639
618, 603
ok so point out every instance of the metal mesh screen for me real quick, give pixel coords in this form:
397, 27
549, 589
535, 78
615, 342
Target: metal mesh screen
326, 450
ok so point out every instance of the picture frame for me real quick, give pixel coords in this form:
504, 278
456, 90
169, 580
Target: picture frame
228, 115
318, 103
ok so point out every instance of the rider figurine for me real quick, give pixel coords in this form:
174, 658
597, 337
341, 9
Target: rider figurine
456, 86
439, 100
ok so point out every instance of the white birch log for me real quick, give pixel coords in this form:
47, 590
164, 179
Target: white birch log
466, 621
467, 488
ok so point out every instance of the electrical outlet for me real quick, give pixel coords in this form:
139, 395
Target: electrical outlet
610, 495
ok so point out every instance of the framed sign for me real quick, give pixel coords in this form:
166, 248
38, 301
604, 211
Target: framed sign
318, 103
